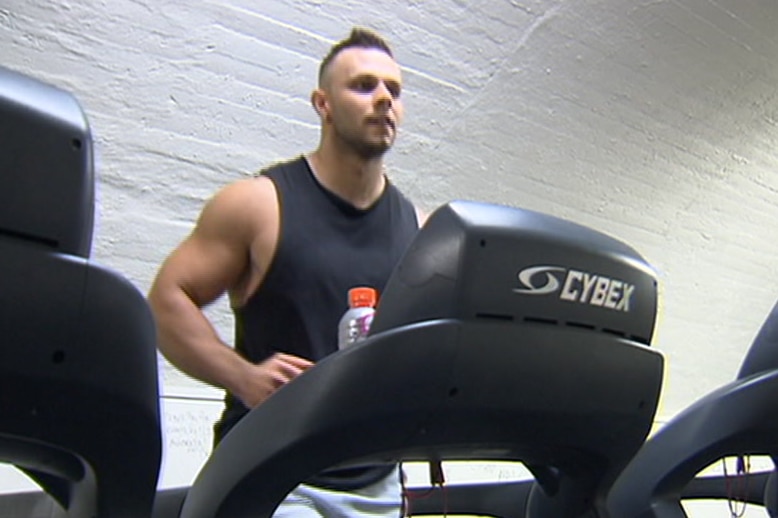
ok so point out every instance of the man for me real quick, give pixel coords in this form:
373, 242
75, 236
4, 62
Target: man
286, 246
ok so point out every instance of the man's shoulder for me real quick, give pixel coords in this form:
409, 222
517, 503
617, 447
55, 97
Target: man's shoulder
419, 214
260, 183
242, 201
282, 167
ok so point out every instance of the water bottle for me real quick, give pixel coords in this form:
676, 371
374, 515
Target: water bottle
355, 323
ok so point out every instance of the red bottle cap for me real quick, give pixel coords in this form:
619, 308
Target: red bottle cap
362, 297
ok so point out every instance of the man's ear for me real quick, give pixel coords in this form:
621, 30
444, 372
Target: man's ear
320, 104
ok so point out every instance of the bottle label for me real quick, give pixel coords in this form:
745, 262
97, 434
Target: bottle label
361, 327
357, 328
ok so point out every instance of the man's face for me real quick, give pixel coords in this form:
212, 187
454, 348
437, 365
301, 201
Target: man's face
364, 108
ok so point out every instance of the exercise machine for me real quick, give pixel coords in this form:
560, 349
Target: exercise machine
79, 402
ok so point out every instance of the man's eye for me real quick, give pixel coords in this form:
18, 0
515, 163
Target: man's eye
394, 90
365, 85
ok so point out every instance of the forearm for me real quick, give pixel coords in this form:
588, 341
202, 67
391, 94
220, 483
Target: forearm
189, 341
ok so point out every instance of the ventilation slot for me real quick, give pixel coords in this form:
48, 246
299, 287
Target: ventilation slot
570, 324
581, 325
544, 321
495, 316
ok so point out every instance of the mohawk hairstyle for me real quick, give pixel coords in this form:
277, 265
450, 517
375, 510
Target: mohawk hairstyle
359, 37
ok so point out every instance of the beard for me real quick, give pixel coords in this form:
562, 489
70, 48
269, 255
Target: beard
360, 143
369, 150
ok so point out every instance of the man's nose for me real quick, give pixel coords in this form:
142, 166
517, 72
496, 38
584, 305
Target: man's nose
382, 95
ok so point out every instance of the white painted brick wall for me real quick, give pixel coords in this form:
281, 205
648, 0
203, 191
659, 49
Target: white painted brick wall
655, 122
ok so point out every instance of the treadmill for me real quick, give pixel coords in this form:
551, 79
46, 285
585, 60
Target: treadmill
503, 334
79, 402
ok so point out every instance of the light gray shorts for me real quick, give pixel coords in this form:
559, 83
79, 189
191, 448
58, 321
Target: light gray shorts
382, 499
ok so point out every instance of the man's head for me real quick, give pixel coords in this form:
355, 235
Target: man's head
358, 97
359, 38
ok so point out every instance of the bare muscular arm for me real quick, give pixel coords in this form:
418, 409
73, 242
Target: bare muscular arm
228, 251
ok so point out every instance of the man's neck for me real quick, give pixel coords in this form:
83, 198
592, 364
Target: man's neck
351, 177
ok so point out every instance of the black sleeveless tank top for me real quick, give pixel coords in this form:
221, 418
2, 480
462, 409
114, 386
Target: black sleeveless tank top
325, 247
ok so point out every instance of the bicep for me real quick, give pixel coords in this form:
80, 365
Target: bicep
215, 256
203, 267
234, 232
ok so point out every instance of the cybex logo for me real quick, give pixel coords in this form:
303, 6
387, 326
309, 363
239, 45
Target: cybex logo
578, 286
